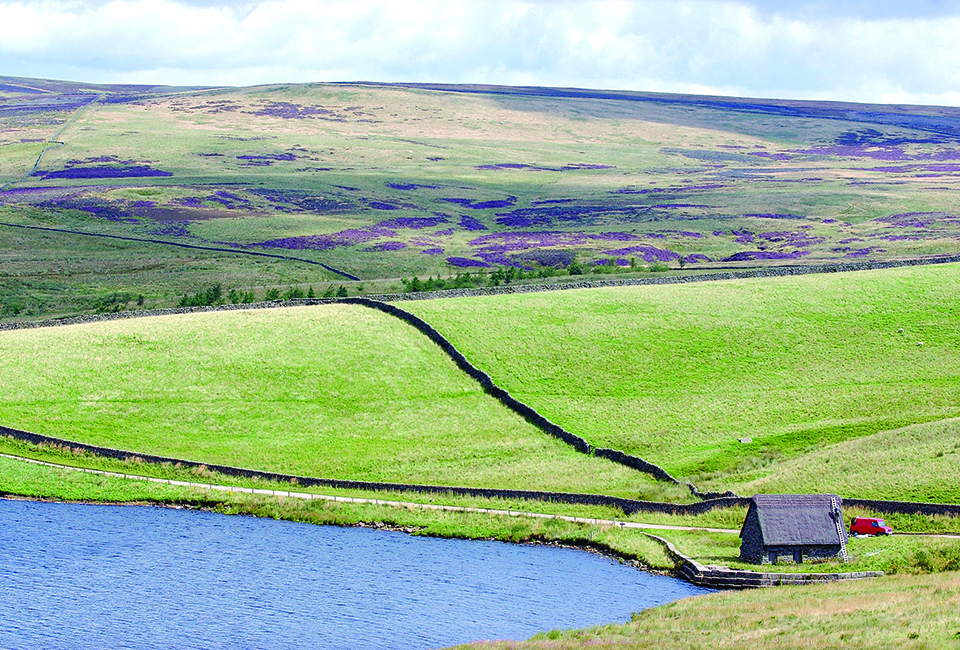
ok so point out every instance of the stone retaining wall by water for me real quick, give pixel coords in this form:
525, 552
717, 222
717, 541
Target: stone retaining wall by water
721, 577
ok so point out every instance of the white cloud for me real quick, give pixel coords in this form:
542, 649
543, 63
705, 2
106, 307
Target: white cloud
759, 48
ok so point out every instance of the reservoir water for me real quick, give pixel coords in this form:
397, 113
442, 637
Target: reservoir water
84, 576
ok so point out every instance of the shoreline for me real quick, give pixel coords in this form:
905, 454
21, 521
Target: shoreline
596, 548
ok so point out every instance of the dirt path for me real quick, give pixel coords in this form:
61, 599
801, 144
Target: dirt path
409, 504
380, 502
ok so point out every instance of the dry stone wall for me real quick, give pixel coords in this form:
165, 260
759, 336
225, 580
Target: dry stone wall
627, 506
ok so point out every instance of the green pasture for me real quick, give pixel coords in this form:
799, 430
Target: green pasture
915, 463
332, 391
728, 382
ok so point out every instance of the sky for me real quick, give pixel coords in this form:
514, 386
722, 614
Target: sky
882, 51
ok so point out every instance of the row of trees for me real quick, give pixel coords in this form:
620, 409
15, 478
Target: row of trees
214, 295
507, 274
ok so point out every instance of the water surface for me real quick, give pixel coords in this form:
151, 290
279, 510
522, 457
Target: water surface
85, 576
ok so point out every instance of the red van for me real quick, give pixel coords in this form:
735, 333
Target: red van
869, 526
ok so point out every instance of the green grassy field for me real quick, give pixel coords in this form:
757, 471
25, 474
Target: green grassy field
916, 463
727, 382
786, 384
333, 391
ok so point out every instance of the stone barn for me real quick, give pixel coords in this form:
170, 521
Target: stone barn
793, 526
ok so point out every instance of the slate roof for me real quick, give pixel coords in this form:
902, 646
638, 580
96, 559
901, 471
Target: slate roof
796, 519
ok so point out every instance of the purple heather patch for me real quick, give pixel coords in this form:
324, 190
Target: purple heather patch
386, 246
464, 262
171, 229
863, 252
515, 241
98, 159
696, 258
471, 223
912, 219
496, 257
901, 169
483, 205
764, 255
144, 204
649, 253
349, 237
443, 233
674, 206
190, 202
105, 171
892, 153
413, 223
768, 215
290, 111
794, 239
849, 241
829, 221
269, 157
432, 251
411, 186
379, 205
771, 156
718, 233
743, 236
108, 212
541, 168
551, 201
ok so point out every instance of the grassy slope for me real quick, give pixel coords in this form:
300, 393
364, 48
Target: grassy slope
916, 463
678, 374
901, 612
44, 281
336, 391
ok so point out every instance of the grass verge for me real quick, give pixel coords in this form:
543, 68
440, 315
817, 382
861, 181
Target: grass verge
911, 612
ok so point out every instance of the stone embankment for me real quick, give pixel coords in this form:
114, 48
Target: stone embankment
721, 577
